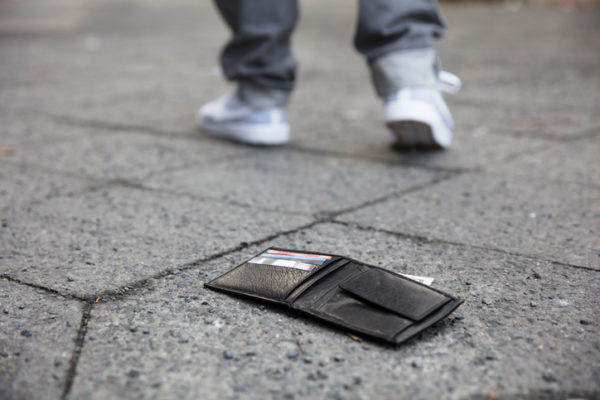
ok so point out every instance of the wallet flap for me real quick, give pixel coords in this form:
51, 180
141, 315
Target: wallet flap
272, 274
267, 281
395, 293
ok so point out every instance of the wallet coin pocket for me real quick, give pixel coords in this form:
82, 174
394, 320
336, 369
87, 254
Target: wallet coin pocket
395, 293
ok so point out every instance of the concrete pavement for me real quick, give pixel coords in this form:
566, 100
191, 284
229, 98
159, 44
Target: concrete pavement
115, 209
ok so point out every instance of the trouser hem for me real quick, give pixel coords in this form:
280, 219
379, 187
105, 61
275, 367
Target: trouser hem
257, 96
404, 68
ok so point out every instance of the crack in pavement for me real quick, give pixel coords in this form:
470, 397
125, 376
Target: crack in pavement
43, 288
79, 342
459, 244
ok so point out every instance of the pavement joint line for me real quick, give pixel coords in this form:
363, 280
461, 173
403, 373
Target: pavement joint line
584, 133
129, 288
477, 100
529, 178
86, 315
320, 218
44, 168
332, 215
498, 130
117, 126
51, 139
138, 186
514, 156
378, 160
211, 163
425, 239
47, 290
100, 183
525, 177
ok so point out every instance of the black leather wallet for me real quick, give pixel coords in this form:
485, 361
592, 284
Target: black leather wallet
344, 292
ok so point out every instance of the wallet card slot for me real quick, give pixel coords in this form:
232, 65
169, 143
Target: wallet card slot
315, 276
395, 293
262, 280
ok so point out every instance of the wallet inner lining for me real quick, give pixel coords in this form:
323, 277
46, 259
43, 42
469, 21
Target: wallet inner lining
316, 277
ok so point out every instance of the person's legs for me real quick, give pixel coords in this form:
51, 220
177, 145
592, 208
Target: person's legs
259, 56
259, 59
397, 40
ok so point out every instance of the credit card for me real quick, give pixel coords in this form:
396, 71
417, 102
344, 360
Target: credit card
291, 253
316, 259
287, 263
421, 279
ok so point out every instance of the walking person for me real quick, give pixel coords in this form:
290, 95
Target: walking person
396, 37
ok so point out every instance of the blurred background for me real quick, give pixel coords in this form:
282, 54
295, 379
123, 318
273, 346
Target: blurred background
529, 68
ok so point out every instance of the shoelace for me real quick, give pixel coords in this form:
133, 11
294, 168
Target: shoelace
448, 82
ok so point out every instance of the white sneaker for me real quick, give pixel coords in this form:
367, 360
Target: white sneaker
229, 118
419, 116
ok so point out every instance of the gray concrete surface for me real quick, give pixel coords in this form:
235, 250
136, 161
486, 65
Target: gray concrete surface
38, 330
115, 209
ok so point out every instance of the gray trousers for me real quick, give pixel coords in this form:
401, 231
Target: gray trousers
396, 37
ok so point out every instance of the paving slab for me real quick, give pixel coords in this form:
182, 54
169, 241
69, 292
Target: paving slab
556, 89
121, 235
551, 33
165, 108
124, 154
555, 221
37, 338
20, 186
575, 161
292, 181
21, 127
530, 120
163, 75
361, 133
527, 329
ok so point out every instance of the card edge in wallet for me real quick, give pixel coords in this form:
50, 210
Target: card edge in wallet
213, 283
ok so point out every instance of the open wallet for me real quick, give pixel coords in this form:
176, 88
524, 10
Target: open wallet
362, 298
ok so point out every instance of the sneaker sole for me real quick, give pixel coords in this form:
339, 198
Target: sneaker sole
272, 135
413, 134
418, 125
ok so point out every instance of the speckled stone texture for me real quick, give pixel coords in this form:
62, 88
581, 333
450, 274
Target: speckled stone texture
295, 182
559, 222
121, 235
521, 330
115, 209
37, 333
